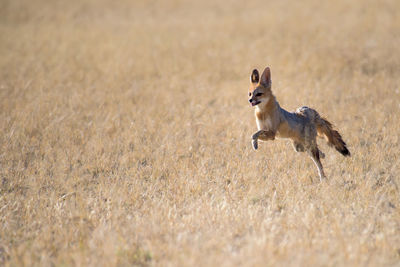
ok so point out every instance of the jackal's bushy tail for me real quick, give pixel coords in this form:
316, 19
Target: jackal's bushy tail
325, 128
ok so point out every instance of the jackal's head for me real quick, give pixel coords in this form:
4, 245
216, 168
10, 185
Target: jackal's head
260, 88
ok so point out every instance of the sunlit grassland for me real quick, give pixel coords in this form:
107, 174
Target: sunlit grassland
125, 133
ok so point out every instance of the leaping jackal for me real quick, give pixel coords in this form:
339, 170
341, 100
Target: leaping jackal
302, 126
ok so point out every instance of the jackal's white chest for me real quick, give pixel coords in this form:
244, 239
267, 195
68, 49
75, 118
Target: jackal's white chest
266, 119
265, 123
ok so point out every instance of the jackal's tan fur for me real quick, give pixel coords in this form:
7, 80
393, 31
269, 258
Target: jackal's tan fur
302, 126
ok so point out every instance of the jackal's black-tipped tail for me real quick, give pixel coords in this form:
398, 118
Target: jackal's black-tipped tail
333, 137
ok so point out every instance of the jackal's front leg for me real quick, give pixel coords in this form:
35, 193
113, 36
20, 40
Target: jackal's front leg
263, 135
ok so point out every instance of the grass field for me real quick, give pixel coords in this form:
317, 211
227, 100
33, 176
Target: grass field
125, 133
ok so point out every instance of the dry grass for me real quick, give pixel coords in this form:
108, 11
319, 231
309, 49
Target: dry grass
125, 133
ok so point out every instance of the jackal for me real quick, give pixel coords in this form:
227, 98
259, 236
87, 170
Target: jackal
302, 126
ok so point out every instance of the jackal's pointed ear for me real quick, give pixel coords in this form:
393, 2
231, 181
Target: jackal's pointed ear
266, 78
254, 77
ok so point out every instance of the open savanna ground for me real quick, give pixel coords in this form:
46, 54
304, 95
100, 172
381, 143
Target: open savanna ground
125, 133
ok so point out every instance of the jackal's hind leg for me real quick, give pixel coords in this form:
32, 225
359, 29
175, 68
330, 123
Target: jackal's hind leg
321, 154
314, 154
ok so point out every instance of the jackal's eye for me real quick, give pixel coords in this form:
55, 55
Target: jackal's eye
249, 94
259, 94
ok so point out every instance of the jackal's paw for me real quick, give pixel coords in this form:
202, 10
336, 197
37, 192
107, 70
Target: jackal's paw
254, 142
298, 147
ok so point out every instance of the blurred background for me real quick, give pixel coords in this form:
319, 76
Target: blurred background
125, 133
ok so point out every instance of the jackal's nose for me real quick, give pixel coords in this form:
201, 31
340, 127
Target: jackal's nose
251, 100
